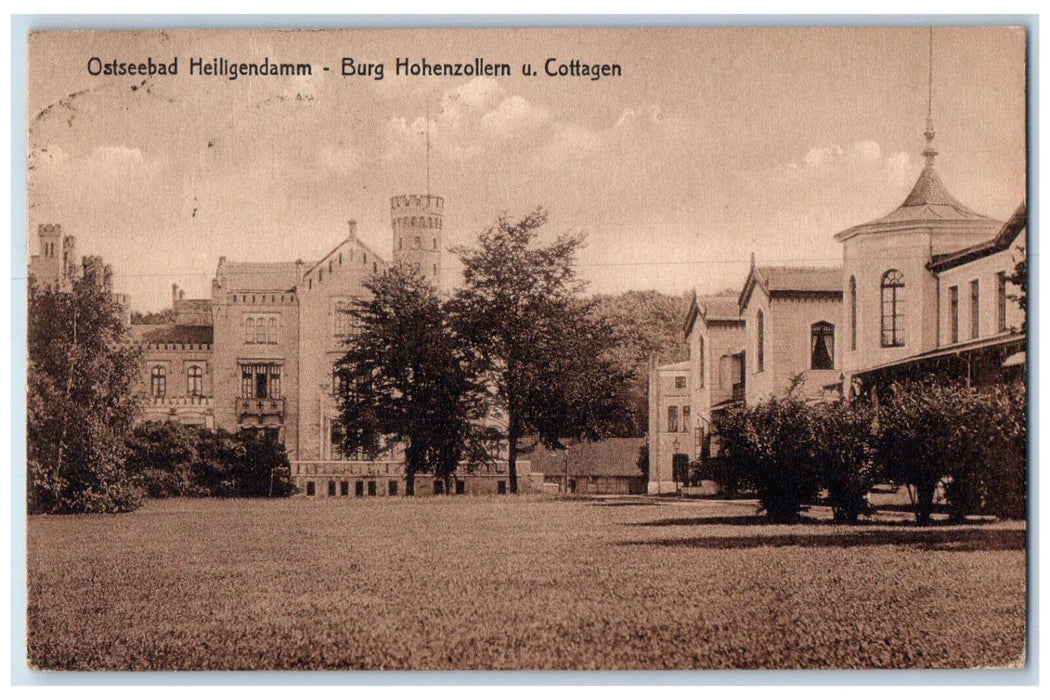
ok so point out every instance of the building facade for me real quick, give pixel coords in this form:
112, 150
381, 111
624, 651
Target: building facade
259, 354
926, 289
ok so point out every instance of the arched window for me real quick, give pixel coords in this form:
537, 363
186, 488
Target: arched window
760, 323
158, 382
271, 335
260, 330
194, 381
822, 345
852, 313
249, 330
893, 309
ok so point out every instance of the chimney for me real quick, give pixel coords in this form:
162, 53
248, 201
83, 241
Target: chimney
299, 264
353, 229
174, 294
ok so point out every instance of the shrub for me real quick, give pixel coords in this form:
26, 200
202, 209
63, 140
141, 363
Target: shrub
171, 460
844, 452
771, 446
972, 441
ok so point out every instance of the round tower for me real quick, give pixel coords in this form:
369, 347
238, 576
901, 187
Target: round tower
418, 224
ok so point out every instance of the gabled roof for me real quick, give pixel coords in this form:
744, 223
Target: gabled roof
172, 333
929, 201
279, 276
785, 281
722, 307
1002, 240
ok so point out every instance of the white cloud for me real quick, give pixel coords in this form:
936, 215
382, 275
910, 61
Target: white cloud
819, 155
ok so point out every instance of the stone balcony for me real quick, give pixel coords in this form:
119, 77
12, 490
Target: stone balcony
260, 408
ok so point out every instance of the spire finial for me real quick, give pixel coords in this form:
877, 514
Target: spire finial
929, 152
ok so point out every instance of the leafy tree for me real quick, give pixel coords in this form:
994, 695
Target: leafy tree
548, 358
81, 405
163, 316
408, 379
646, 323
1020, 278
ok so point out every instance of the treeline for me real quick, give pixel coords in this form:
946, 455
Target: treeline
927, 436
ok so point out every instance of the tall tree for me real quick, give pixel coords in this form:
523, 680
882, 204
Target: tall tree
548, 358
407, 379
81, 403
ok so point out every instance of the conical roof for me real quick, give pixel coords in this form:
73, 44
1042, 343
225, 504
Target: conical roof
928, 201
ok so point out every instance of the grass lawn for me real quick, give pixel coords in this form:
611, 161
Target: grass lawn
515, 583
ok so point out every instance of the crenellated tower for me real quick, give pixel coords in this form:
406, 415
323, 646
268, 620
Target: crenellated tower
418, 225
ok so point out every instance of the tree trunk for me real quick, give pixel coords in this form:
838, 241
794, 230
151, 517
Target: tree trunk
924, 503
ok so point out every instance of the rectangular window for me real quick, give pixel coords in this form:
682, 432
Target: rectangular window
371, 488
311, 488
247, 386
1000, 301
461, 487
275, 381
335, 435
392, 488
953, 314
343, 321
261, 385
501, 486
685, 419
975, 309
344, 488
331, 488
359, 488
672, 419
679, 382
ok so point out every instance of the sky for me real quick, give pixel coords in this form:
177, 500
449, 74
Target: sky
712, 145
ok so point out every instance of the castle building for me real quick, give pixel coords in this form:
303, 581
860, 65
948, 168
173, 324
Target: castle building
259, 353
55, 266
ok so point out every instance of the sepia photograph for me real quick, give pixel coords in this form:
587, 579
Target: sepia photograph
526, 349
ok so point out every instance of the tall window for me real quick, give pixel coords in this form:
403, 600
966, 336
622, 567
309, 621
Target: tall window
893, 309
343, 320
975, 309
1000, 300
158, 382
953, 314
702, 359
686, 415
852, 313
194, 381
261, 328
761, 354
822, 345
672, 419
